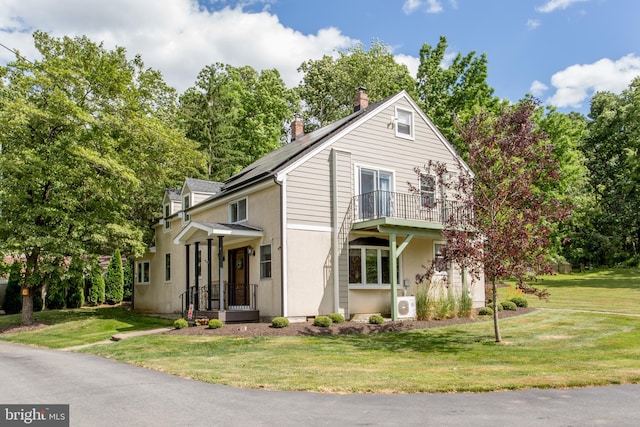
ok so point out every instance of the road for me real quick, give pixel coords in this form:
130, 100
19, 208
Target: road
102, 392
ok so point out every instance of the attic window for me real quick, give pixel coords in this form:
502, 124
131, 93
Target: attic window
185, 206
404, 123
167, 214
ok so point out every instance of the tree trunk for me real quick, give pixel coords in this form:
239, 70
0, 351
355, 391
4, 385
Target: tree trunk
27, 306
496, 326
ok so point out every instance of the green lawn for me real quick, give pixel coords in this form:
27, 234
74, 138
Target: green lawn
80, 326
588, 334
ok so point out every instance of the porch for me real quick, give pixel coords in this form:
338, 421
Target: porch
240, 304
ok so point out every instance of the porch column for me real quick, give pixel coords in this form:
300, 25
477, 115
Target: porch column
393, 271
186, 295
209, 290
221, 270
196, 274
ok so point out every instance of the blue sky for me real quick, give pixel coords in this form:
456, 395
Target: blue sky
559, 50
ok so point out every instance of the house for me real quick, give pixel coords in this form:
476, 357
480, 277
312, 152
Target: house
311, 228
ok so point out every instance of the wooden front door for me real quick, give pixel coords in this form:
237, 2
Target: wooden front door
238, 278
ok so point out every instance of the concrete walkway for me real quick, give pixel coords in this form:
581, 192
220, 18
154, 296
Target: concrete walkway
118, 337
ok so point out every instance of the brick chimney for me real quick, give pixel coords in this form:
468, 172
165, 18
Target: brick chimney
297, 127
361, 99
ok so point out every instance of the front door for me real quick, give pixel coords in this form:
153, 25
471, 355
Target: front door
238, 295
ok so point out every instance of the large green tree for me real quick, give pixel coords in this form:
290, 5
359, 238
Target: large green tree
330, 83
454, 92
236, 115
611, 149
86, 151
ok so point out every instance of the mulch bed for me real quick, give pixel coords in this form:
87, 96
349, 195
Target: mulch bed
307, 328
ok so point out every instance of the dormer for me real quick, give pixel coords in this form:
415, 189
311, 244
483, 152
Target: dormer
195, 191
170, 206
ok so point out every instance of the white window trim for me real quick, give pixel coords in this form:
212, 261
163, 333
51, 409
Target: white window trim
412, 133
363, 270
165, 268
167, 221
264, 262
140, 270
185, 216
246, 213
358, 167
435, 271
436, 190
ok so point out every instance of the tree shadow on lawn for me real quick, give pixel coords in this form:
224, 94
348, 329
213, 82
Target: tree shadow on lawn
449, 340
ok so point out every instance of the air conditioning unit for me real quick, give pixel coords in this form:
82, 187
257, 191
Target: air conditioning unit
406, 307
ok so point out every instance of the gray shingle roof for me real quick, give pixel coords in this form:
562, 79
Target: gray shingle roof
280, 158
173, 194
203, 186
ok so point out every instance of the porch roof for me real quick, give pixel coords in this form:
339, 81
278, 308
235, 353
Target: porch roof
196, 230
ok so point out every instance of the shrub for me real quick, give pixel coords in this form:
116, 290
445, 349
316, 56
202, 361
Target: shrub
114, 280
215, 323
127, 273
465, 303
280, 322
95, 287
13, 295
55, 294
520, 301
180, 324
424, 305
322, 321
336, 317
509, 305
485, 311
376, 319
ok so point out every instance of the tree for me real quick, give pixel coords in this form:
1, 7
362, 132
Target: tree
85, 154
329, 84
95, 283
502, 227
453, 93
611, 148
75, 283
236, 115
12, 299
114, 280
127, 272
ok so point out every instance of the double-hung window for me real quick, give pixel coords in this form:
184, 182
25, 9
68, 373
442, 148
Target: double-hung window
144, 272
185, 205
167, 267
167, 213
427, 191
265, 261
404, 123
238, 211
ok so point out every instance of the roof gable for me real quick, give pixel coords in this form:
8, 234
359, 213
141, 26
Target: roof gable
192, 185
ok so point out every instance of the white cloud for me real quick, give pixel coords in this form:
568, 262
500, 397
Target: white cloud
553, 5
178, 37
411, 62
434, 6
410, 6
431, 6
538, 88
532, 24
575, 84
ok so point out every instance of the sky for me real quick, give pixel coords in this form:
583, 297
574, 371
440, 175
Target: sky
560, 51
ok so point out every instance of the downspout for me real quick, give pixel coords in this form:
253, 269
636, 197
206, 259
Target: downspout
334, 234
281, 180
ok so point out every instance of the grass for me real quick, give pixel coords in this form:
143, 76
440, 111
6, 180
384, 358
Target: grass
615, 291
69, 328
580, 342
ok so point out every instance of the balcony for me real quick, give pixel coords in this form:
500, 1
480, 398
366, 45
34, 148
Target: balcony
412, 208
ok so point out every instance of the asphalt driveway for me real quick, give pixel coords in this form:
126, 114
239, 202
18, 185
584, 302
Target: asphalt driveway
103, 392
